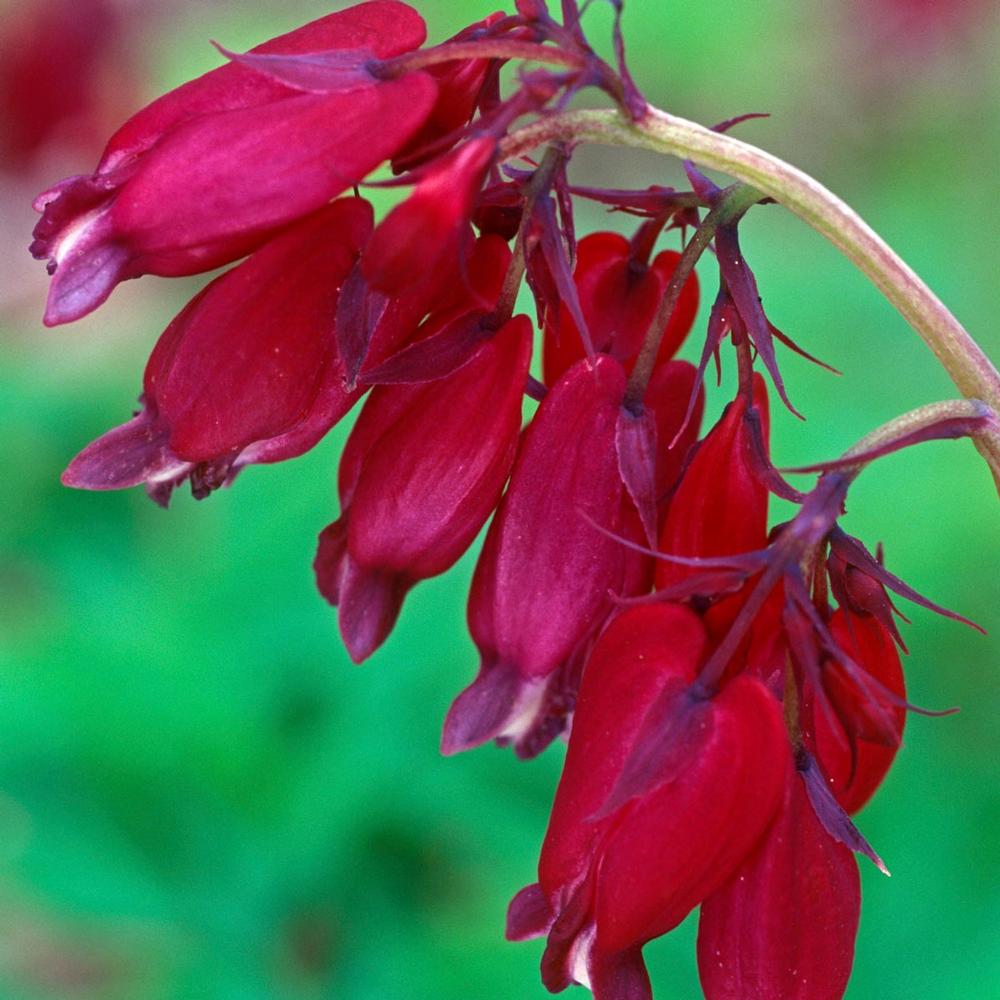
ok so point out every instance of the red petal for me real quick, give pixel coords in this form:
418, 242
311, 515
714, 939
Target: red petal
783, 928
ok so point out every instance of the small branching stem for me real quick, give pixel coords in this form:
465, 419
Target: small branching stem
733, 203
538, 186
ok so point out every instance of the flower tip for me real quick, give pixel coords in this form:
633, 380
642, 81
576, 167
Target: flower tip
482, 710
528, 915
369, 604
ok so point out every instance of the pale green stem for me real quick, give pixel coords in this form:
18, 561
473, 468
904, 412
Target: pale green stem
964, 360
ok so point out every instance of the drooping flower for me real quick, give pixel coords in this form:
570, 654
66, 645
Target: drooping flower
619, 295
612, 878
422, 471
783, 927
544, 575
208, 172
244, 362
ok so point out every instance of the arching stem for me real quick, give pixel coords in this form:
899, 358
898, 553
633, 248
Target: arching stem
964, 360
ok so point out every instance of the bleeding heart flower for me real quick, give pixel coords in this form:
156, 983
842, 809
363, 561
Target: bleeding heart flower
422, 471
614, 876
208, 172
544, 576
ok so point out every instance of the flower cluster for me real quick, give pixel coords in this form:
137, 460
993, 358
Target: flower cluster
730, 690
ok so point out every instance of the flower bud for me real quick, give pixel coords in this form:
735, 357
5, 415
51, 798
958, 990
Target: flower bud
211, 170
859, 726
422, 236
720, 506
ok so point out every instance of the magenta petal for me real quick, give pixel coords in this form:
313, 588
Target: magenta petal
133, 453
621, 976
329, 562
368, 602
528, 915
783, 927
483, 709
212, 186
86, 275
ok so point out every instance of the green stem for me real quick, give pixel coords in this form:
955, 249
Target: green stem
964, 360
733, 203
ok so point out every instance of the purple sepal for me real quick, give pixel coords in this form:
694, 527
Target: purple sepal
359, 309
855, 553
133, 453
558, 266
339, 71
435, 357
85, 260
368, 604
743, 287
621, 976
635, 443
673, 730
498, 703
835, 821
528, 915
944, 429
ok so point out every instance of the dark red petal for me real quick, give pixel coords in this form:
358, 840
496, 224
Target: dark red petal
543, 578
783, 928
712, 815
246, 362
125, 456
368, 604
641, 651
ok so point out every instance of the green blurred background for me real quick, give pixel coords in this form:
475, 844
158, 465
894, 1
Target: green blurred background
201, 797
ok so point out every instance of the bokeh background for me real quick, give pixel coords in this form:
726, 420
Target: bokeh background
201, 797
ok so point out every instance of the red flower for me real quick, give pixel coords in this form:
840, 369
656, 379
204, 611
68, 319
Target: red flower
422, 237
211, 170
422, 471
783, 927
720, 506
612, 879
618, 297
542, 580
244, 362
